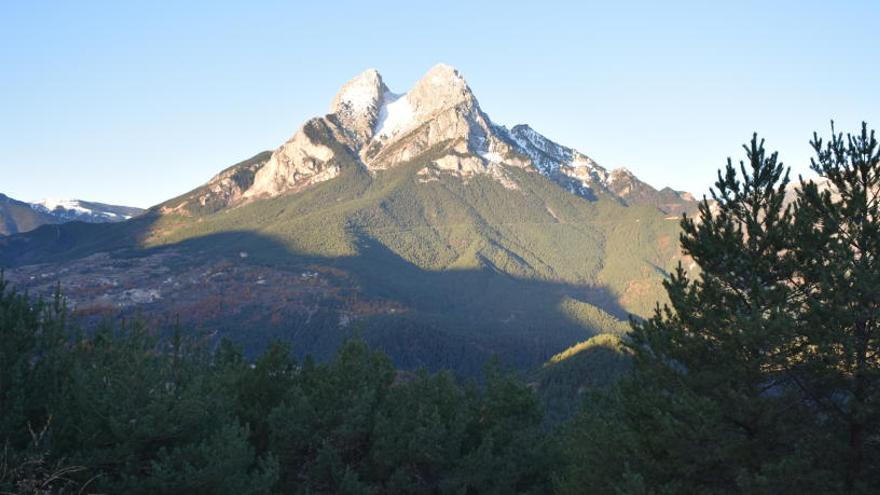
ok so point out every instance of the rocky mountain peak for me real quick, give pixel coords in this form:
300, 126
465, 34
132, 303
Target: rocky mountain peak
439, 108
381, 129
360, 93
358, 102
440, 88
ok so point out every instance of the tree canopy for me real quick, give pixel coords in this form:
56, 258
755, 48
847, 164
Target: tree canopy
760, 375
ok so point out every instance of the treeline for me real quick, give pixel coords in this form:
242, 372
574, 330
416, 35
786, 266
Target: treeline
119, 411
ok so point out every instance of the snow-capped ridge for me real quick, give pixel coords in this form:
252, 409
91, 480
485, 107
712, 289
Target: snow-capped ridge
51, 204
550, 157
85, 211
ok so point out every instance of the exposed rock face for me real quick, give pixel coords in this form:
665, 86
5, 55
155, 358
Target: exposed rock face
441, 87
379, 129
225, 188
229, 185
301, 161
439, 108
357, 105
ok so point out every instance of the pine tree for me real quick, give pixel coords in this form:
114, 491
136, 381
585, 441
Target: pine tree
712, 359
838, 366
762, 373
323, 429
709, 406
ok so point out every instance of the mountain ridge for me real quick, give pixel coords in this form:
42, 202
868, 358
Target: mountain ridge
20, 216
86, 211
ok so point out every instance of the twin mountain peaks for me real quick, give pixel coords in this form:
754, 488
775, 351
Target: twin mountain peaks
412, 220
439, 116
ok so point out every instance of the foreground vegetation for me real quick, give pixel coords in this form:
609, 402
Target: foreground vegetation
120, 412
762, 375
759, 376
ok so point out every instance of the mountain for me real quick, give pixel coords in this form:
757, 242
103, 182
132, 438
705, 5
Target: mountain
19, 216
440, 115
85, 211
411, 219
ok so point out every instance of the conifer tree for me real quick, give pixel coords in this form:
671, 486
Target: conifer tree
712, 360
761, 375
838, 366
709, 406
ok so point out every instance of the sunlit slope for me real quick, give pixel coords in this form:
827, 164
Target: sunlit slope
567, 378
535, 231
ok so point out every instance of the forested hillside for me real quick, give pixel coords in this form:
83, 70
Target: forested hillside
119, 411
440, 274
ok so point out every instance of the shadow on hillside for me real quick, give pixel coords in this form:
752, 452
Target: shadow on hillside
73, 240
447, 319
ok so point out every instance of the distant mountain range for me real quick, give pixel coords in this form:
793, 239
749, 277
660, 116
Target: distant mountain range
410, 219
86, 211
19, 216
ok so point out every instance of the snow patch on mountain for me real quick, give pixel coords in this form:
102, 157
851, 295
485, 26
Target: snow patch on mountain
492, 156
52, 204
85, 211
395, 115
547, 155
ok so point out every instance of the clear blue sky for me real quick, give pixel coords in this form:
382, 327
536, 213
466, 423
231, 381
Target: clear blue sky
136, 102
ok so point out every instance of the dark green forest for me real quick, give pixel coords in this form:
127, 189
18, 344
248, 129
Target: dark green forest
119, 411
759, 375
